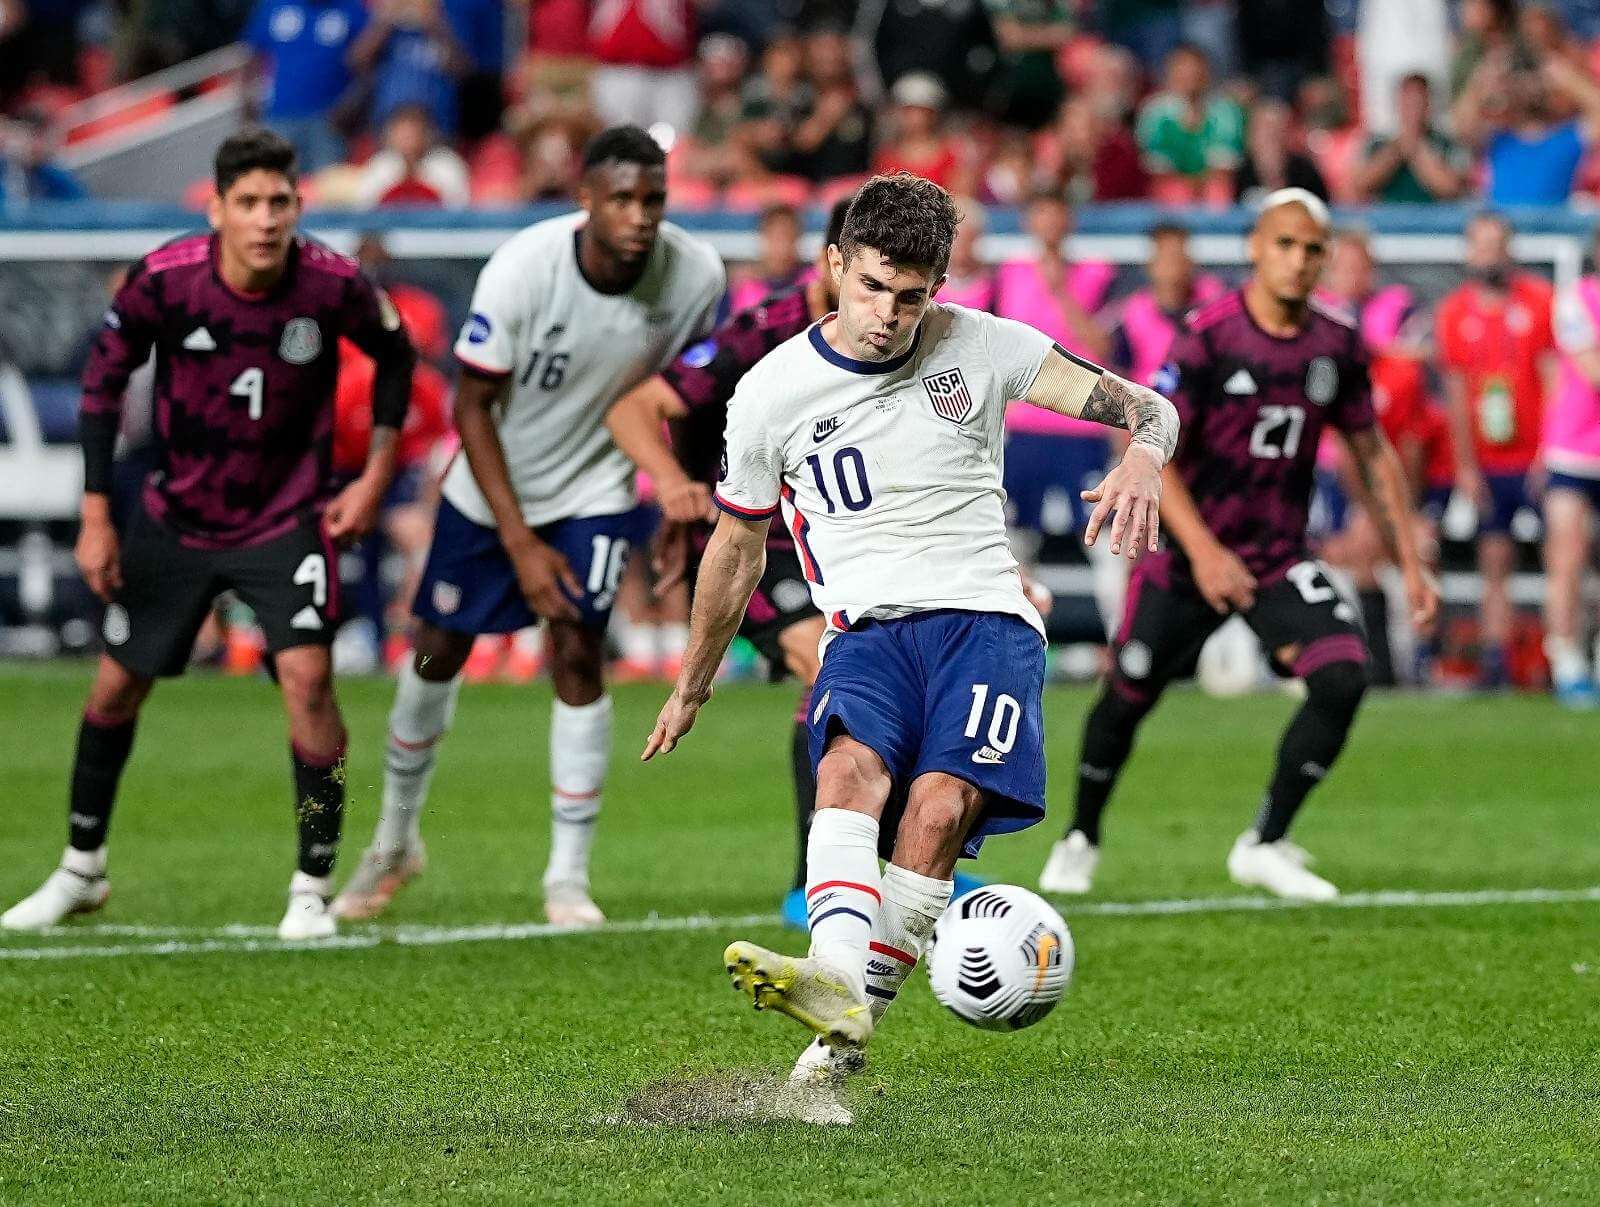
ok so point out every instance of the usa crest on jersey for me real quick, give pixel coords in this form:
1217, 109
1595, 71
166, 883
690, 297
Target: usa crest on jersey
949, 394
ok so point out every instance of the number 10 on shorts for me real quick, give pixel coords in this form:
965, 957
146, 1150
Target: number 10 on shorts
1003, 718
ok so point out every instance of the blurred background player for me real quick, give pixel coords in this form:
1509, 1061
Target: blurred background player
246, 324
1051, 458
539, 515
1495, 347
1256, 377
405, 521
691, 395
1571, 455
880, 431
1384, 317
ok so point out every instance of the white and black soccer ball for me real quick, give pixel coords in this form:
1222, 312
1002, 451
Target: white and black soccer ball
1000, 958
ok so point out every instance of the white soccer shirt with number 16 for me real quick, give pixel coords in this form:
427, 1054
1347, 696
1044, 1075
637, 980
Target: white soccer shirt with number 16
888, 473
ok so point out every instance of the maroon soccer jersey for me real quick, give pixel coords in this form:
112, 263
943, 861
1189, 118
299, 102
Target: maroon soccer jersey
1253, 408
244, 385
705, 374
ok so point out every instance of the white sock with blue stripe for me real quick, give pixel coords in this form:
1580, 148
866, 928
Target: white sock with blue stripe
421, 714
912, 903
843, 890
580, 750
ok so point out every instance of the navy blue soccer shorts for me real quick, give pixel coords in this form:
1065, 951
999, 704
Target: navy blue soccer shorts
951, 691
469, 585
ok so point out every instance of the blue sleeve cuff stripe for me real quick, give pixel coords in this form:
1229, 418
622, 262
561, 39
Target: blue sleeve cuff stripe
745, 513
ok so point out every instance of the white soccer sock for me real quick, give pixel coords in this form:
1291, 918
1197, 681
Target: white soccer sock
673, 639
912, 903
843, 889
1566, 659
421, 713
90, 864
637, 641
580, 750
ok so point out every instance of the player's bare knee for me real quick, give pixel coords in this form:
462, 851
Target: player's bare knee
941, 809
577, 664
306, 684
851, 776
117, 694
438, 654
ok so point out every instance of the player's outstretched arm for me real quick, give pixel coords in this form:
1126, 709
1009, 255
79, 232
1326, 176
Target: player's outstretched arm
1130, 495
635, 421
546, 579
729, 572
1389, 502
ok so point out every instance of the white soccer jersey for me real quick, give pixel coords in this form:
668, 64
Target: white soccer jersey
888, 473
570, 352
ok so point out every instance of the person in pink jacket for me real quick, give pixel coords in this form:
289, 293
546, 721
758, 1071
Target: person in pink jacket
1051, 458
1570, 452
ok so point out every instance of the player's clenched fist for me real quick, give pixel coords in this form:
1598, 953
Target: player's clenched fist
1130, 496
99, 557
547, 581
676, 719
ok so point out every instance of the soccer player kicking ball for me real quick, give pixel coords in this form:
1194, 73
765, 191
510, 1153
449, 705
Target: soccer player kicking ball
245, 323
1257, 377
690, 398
878, 432
538, 517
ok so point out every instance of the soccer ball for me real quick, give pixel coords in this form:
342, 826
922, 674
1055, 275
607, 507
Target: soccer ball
1000, 958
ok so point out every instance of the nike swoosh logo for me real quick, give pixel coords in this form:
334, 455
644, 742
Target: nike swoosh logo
824, 429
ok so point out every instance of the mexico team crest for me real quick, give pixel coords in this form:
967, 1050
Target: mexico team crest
302, 341
949, 394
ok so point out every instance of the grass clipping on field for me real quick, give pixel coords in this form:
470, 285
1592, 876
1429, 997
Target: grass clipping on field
721, 1098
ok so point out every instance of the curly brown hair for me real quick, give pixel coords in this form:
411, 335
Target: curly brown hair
906, 219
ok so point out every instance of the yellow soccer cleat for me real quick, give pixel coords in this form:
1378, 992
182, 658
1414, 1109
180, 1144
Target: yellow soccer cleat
808, 990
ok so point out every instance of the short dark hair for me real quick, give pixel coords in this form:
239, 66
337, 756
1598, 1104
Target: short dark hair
251, 149
1168, 229
835, 228
1415, 77
907, 219
623, 144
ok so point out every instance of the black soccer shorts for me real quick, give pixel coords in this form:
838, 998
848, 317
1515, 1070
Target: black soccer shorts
291, 583
1166, 620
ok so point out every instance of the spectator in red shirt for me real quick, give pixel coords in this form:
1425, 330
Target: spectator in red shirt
414, 167
645, 51
1495, 344
1090, 156
917, 142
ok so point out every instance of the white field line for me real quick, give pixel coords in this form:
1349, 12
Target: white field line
238, 937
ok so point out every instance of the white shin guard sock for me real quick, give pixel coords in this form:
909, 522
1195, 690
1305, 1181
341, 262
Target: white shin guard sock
580, 750
912, 903
844, 894
421, 714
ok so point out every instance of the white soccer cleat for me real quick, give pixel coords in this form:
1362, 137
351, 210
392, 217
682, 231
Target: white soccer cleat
1070, 868
811, 991
567, 903
378, 877
821, 1065
1279, 867
80, 889
308, 915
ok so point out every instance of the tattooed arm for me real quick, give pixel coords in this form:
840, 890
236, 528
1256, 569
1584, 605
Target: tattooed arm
1069, 385
1388, 502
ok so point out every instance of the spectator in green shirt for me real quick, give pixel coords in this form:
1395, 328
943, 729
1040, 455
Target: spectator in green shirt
1192, 140
1416, 163
1029, 34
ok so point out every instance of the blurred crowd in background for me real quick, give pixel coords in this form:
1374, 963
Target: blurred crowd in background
776, 107
487, 102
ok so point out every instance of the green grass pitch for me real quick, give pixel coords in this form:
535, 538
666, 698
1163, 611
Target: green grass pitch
1429, 1053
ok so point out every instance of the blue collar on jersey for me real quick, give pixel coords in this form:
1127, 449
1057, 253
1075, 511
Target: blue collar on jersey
852, 365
